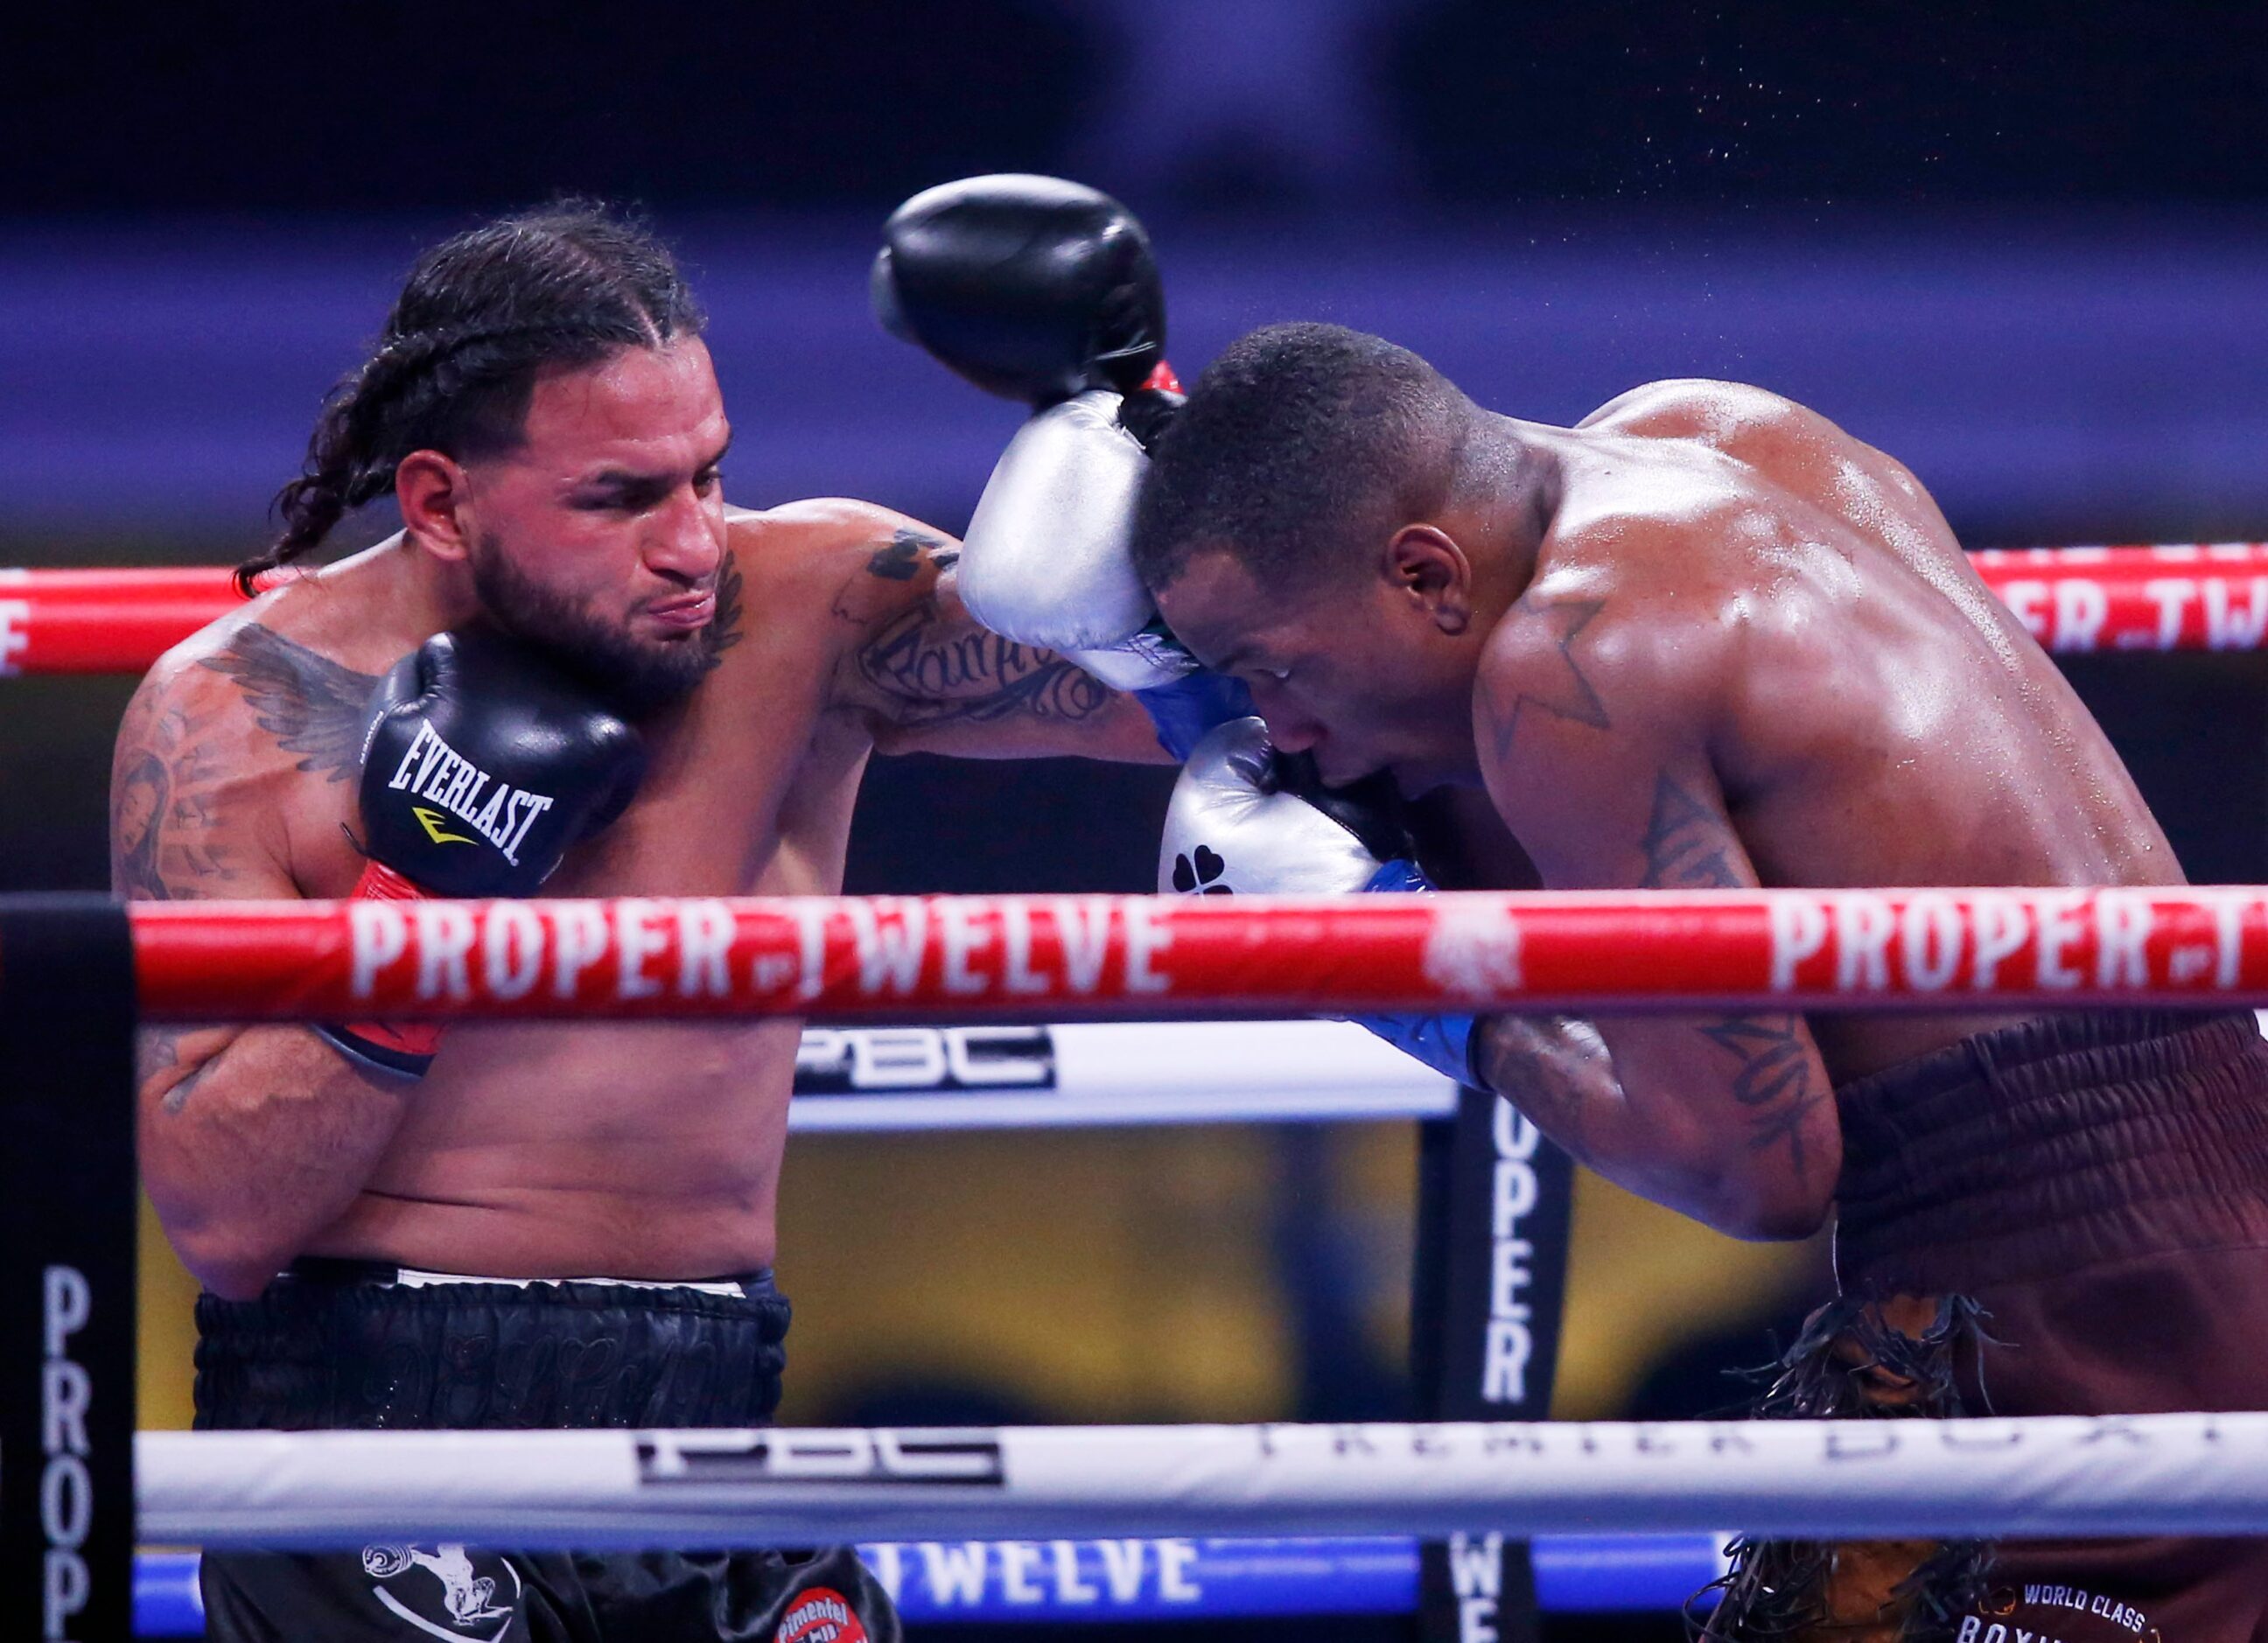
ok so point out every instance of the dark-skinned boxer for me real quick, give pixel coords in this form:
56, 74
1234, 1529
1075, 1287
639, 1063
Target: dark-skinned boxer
1706, 638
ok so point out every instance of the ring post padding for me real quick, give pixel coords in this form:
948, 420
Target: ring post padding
67, 1243
1495, 1203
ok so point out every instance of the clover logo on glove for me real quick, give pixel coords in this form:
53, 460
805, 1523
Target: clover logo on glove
1198, 879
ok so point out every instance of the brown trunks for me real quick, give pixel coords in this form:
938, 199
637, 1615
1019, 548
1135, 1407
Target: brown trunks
2069, 1215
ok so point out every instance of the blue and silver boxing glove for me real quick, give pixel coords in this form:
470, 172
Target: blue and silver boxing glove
1246, 820
1043, 291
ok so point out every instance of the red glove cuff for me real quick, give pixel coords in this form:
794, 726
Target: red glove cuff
405, 1047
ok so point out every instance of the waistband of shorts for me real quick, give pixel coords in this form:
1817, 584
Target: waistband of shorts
2054, 1144
367, 1346
385, 1275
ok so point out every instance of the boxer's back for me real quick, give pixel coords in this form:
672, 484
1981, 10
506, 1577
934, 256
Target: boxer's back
1873, 714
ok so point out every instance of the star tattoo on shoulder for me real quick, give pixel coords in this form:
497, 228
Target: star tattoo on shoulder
1559, 687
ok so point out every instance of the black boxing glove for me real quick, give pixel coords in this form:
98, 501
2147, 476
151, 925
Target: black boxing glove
1046, 291
1032, 288
482, 763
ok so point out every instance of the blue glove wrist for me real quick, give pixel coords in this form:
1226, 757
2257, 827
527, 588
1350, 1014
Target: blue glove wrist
1443, 1043
1183, 710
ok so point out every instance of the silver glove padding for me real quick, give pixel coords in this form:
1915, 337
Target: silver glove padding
1047, 558
1230, 827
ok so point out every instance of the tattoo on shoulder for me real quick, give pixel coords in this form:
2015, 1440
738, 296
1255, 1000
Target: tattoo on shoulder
167, 837
901, 558
1687, 844
934, 671
1561, 688
312, 705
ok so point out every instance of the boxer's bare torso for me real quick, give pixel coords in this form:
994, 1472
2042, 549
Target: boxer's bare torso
1723, 644
649, 1150
1752, 652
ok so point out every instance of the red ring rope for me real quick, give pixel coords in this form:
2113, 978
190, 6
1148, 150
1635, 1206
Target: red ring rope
2183, 597
991, 958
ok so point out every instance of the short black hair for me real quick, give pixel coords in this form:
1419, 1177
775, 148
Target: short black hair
1294, 444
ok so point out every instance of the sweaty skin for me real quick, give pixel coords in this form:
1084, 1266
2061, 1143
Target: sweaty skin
641, 1150
1703, 639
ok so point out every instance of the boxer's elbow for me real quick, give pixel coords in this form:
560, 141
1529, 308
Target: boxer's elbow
1767, 1205
233, 1261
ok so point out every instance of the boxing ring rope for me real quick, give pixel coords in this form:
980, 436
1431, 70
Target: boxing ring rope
2042, 1476
1084, 1075
2173, 597
990, 959
858, 959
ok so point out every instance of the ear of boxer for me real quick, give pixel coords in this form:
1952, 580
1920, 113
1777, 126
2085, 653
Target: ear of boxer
1046, 291
1246, 820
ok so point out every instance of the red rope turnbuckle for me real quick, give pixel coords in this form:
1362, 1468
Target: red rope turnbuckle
2204, 596
994, 958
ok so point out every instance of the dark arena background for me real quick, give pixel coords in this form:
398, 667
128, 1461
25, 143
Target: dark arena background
2023, 248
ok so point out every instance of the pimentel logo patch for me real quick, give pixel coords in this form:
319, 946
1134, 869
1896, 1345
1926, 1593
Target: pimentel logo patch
498, 812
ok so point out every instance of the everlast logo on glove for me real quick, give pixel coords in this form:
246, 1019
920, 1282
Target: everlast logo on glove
498, 812
474, 736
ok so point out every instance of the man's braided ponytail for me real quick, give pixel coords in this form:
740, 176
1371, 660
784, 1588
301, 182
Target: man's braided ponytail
481, 314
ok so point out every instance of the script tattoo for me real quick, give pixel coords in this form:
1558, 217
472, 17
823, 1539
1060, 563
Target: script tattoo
1561, 688
936, 666
1689, 846
1685, 843
310, 704
935, 670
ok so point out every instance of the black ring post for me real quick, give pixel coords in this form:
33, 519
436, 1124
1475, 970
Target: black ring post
1495, 1200
67, 1248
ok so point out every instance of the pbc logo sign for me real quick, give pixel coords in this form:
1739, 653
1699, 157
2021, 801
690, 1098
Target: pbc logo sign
860, 1060
968, 1455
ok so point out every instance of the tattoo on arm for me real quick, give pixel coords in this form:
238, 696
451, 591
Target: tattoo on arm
167, 837
1688, 847
1540, 1065
310, 704
934, 668
935, 672
156, 1053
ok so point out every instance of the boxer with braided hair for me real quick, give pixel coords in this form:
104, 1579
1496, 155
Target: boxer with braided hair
574, 667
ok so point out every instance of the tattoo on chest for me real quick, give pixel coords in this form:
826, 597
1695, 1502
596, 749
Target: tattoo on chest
312, 705
1560, 688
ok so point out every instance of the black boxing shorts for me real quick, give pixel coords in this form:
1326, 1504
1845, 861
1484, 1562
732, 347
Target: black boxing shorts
2068, 1216
334, 1343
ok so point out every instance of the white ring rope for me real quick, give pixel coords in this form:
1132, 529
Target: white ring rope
2185, 1474
1109, 1073
1093, 1074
